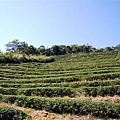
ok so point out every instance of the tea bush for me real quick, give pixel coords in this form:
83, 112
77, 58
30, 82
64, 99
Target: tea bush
9, 113
64, 105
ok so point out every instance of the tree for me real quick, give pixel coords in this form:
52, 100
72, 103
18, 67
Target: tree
12, 46
41, 49
22, 46
117, 48
16, 46
68, 49
55, 49
48, 52
62, 49
108, 48
74, 48
31, 50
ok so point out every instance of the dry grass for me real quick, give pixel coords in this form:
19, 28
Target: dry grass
113, 99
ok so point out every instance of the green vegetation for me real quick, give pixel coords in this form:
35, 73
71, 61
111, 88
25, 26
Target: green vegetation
19, 57
65, 105
7, 113
23, 47
39, 83
118, 55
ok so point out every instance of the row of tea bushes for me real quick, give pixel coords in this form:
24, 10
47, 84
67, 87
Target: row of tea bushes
52, 78
34, 79
107, 76
102, 90
63, 91
43, 91
95, 83
65, 106
41, 76
78, 84
9, 113
42, 80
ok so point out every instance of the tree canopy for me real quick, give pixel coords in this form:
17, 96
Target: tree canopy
17, 46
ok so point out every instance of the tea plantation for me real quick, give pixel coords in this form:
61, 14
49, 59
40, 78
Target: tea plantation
58, 86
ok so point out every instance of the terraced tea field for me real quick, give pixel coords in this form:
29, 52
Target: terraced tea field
80, 84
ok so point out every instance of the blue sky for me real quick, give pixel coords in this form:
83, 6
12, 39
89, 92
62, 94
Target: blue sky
51, 22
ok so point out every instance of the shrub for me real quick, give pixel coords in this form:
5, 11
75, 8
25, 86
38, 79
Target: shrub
72, 106
9, 113
11, 57
102, 90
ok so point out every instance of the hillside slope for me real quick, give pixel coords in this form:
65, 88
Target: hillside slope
80, 84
